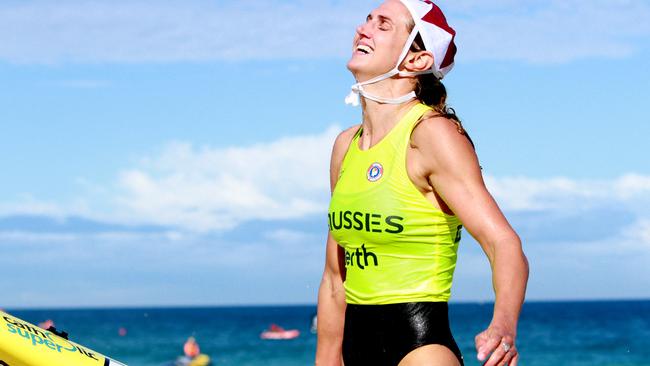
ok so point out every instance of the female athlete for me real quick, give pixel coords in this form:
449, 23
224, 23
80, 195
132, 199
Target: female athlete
404, 184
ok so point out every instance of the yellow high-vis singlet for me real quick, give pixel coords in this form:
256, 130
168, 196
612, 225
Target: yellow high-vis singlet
398, 246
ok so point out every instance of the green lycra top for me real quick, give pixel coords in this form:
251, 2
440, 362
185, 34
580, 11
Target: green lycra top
398, 246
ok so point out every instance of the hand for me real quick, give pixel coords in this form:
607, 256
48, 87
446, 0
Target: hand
500, 343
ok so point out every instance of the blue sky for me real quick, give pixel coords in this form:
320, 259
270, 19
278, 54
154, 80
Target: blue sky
175, 152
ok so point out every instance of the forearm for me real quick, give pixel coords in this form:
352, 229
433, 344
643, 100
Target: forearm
509, 278
331, 319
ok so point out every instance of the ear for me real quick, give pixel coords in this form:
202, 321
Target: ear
418, 61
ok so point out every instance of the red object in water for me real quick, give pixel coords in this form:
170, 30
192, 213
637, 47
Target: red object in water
277, 332
46, 324
121, 331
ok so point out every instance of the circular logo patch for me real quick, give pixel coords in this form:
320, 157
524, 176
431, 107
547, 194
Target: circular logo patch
375, 172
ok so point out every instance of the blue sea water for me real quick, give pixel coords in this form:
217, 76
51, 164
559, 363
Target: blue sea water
550, 333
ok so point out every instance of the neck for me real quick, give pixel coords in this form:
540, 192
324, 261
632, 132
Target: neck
394, 87
379, 119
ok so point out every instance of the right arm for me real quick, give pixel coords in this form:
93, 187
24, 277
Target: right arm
331, 308
331, 294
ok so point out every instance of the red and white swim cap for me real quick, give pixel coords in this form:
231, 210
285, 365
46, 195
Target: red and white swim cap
436, 33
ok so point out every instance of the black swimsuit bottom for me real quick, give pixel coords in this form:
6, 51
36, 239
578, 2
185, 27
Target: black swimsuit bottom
382, 335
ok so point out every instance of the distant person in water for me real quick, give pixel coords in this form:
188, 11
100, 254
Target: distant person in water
191, 348
276, 328
46, 324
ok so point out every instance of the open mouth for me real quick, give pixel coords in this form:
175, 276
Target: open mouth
363, 49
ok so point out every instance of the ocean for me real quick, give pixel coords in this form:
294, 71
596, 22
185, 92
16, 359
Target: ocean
550, 333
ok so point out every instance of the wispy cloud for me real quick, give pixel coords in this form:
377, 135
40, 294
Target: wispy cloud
576, 211
151, 268
631, 191
289, 236
76, 237
28, 205
200, 31
217, 188
214, 189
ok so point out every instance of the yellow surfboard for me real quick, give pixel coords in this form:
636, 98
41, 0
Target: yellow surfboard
24, 344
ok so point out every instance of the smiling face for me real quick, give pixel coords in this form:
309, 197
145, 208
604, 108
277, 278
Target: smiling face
378, 42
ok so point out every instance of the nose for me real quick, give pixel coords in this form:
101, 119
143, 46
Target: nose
363, 30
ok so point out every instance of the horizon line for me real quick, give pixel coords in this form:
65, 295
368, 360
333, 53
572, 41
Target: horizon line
286, 305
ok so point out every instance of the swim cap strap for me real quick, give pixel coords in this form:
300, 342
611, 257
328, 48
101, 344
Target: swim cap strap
357, 89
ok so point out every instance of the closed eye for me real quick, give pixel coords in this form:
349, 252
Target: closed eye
385, 23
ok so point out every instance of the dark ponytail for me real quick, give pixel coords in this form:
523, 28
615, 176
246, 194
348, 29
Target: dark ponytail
432, 92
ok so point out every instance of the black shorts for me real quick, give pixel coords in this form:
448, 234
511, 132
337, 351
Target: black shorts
382, 335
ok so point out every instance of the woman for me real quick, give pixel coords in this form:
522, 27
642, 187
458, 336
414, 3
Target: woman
404, 183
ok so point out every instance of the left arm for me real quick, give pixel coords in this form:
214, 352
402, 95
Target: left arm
451, 168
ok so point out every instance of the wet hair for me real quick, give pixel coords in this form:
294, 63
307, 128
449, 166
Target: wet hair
431, 91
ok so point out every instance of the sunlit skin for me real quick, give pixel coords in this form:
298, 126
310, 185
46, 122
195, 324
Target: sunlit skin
377, 45
382, 33
444, 167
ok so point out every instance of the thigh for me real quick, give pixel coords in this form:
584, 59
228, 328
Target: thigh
430, 355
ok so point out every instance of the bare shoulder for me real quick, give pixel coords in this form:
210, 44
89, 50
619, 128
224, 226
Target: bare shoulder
339, 150
438, 130
443, 142
342, 143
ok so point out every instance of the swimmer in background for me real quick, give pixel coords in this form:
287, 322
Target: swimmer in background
191, 348
46, 324
193, 356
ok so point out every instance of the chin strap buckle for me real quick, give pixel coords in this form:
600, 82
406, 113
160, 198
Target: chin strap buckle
354, 98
